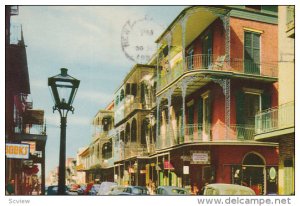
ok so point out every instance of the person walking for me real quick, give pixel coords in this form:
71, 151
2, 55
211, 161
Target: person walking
10, 187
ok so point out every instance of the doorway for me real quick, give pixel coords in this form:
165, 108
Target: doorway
253, 173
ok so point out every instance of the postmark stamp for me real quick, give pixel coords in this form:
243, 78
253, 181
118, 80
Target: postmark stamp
138, 39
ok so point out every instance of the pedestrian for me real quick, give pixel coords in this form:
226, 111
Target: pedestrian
10, 187
153, 188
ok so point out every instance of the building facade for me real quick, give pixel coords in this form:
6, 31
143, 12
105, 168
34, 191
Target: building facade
277, 124
24, 125
187, 118
214, 75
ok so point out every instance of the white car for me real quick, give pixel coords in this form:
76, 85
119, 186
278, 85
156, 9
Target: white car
226, 189
105, 188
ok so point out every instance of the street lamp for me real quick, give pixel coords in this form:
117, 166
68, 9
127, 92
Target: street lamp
63, 88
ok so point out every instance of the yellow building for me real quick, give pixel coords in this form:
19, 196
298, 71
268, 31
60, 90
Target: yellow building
277, 124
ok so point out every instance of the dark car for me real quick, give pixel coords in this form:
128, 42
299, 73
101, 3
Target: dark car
53, 190
81, 189
171, 190
135, 190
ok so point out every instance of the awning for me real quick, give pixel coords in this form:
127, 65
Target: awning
168, 165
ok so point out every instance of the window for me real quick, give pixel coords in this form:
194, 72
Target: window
133, 89
252, 106
207, 49
122, 95
251, 52
253, 7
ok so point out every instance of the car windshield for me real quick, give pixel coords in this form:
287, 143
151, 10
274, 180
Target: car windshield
178, 191
235, 192
137, 191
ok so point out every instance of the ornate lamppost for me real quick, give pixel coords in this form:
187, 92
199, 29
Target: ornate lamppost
63, 88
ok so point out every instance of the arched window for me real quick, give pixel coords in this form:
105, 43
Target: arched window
133, 130
107, 150
144, 132
253, 159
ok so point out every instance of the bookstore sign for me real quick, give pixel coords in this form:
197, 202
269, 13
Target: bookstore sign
17, 151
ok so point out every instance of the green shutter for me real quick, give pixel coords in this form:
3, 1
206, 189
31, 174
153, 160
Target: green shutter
200, 117
240, 121
266, 104
143, 93
252, 53
266, 100
208, 115
191, 121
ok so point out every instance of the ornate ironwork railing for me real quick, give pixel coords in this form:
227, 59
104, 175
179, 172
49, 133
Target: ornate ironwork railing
193, 133
216, 63
275, 118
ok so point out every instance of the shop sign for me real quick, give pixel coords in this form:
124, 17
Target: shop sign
186, 170
17, 151
200, 157
32, 146
142, 171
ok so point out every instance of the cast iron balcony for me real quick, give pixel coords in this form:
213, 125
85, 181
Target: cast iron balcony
210, 62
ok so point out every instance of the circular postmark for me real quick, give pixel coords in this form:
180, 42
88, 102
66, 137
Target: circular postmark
138, 39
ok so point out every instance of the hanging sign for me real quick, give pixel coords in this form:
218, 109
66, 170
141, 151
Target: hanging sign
17, 151
200, 157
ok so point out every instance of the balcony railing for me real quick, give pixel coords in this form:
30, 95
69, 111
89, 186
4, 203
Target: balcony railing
217, 63
132, 103
32, 129
275, 118
205, 133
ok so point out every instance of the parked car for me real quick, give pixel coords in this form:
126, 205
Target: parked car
53, 190
81, 189
135, 190
226, 189
171, 190
94, 189
116, 190
105, 187
74, 187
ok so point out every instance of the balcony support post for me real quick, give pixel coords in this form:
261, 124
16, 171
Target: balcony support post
225, 84
226, 24
183, 88
158, 101
169, 98
183, 30
169, 41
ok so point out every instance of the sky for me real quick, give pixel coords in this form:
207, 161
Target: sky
87, 41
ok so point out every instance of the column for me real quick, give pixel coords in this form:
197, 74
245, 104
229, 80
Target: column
183, 30
183, 88
169, 98
158, 140
226, 25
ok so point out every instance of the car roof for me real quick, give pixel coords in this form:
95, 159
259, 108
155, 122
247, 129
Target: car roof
222, 187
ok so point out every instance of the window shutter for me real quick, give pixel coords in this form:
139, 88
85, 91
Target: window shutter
200, 117
266, 104
266, 100
240, 104
143, 92
134, 89
208, 115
